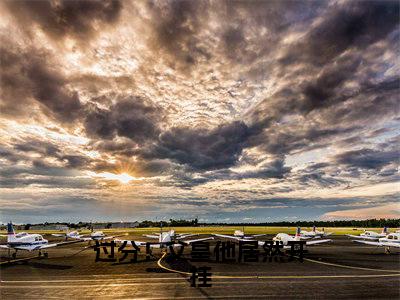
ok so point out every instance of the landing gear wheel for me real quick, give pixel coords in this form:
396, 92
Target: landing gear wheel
46, 255
14, 255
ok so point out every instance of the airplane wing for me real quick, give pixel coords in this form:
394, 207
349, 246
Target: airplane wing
183, 236
4, 247
43, 246
229, 237
363, 237
379, 244
328, 234
307, 237
58, 234
257, 235
389, 244
198, 240
246, 239
86, 239
151, 236
367, 243
314, 242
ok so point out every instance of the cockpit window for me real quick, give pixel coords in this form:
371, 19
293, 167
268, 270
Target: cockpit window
390, 237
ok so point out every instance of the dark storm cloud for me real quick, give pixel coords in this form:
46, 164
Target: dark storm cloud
280, 142
319, 179
38, 167
355, 24
46, 181
180, 27
176, 24
29, 74
201, 149
241, 22
78, 19
368, 158
272, 169
323, 90
37, 146
187, 177
376, 102
131, 117
349, 202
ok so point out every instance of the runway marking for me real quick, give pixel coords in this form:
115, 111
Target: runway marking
214, 277
184, 281
293, 276
349, 267
89, 280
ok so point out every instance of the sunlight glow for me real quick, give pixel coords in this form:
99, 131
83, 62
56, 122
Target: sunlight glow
123, 177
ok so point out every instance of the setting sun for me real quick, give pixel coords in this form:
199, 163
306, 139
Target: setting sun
123, 177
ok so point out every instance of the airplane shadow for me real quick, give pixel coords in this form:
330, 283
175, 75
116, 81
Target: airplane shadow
40, 265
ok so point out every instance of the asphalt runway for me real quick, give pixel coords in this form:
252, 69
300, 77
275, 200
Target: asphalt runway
339, 270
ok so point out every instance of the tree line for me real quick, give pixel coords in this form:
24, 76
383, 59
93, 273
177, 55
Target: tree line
377, 223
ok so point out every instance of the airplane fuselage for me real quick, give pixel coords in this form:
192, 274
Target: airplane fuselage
393, 238
284, 238
25, 239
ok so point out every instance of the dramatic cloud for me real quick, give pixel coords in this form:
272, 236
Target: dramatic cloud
27, 75
59, 19
130, 117
217, 109
202, 149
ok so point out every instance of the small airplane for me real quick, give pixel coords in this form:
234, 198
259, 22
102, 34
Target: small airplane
284, 238
370, 235
27, 242
69, 235
96, 236
239, 235
165, 239
391, 240
315, 233
172, 234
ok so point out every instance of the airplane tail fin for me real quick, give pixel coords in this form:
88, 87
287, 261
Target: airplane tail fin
10, 233
385, 230
298, 231
313, 228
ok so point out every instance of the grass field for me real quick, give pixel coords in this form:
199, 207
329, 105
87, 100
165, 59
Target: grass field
217, 229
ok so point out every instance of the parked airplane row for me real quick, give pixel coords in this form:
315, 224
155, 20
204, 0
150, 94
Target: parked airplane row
282, 238
383, 239
36, 242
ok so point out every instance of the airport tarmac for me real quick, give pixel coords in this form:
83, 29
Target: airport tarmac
339, 270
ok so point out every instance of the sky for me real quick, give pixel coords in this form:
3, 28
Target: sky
228, 111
